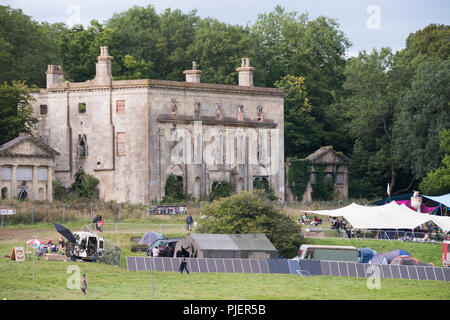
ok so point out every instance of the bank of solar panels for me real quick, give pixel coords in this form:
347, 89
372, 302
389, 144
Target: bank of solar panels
284, 266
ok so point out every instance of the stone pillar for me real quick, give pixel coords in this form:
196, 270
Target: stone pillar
103, 75
35, 184
55, 76
50, 184
14, 181
193, 75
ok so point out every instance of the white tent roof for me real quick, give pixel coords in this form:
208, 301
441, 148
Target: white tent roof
388, 216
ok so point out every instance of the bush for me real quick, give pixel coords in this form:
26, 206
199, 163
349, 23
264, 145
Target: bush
85, 185
221, 189
253, 212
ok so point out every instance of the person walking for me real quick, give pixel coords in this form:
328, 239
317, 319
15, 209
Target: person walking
84, 285
183, 265
189, 222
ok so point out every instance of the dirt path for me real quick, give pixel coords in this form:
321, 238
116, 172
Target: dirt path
15, 234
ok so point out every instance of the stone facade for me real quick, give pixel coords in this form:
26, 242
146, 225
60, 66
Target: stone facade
26, 167
132, 134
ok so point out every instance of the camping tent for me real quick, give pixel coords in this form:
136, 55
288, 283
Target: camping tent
255, 246
388, 216
150, 237
366, 254
445, 199
387, 257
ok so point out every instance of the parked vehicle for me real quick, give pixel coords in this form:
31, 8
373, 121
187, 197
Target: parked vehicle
166, 247
82, 245
330, 253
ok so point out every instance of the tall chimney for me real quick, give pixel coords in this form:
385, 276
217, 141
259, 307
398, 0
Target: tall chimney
103, 67
55, 76
194, 74
245, 73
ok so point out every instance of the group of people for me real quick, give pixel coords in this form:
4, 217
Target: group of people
98, 222
52, 247
306, 221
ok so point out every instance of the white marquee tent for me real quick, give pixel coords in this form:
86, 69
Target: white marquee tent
388, 216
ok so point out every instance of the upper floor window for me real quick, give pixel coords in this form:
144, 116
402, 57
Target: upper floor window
260, 114
82, 107
82, 146
121, 143
43, 110
120, 106
197, 110
219, 111
240, 116
173, 108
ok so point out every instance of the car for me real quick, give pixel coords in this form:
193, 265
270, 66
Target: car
166, 247
329, 253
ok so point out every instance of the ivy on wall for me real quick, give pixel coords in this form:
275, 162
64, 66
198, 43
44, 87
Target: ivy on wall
323, 186
299, 173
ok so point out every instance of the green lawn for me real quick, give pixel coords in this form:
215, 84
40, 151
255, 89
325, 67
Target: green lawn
109, 282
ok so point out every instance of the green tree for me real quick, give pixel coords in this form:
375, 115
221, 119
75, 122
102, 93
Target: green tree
174, 191
221, 189
16, 112
437, 181
85, 185
253, 212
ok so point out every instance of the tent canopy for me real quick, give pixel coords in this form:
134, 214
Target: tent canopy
388, 216
150, 237
445, 199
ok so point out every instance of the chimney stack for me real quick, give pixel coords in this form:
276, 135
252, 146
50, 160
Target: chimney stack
194, 74
55, 76
103, 67
245, 73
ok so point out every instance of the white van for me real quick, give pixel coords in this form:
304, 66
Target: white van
329, 253
88, 246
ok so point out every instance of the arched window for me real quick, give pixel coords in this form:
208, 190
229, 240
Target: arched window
4, 193
240, 116
197, 110
260, 114
82, 146
219, 111
173, 107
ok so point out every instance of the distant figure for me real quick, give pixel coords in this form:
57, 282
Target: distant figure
183, 265
155, 252
84, 285
189, 222
416, 201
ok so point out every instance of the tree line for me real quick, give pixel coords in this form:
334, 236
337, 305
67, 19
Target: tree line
387, 111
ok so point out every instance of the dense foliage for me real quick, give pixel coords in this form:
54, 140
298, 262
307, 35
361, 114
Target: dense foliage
383, 109
174, 191
253, 212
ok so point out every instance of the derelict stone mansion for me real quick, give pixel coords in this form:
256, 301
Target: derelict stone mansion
133, 134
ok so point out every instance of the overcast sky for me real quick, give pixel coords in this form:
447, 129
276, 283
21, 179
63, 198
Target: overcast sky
367, 23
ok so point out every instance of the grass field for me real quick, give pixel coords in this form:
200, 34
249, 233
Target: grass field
109, 282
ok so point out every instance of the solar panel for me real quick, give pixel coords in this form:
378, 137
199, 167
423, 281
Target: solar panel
283, 266
202, 265
413, 273
343, 271
158, 264
254, 265
361, 270
304, 273
246, 266
395, 270
167, 263
294, 266
446, 273
131, 263
220, 265
421, 273
429, 271
273, 266
140, 264
404, 272
193, 265
351, 269
176, 264
334, 269
386, 271
237, 264
211, 264
228, 265
263, 265
326, 271
439, 274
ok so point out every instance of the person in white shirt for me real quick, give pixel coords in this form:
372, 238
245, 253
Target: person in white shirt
155, 251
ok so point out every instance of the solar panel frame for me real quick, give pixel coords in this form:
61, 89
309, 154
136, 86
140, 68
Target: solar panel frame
254, 265
263, 265
334, 268
446, 272
294, 266
193, 265
202, 267
343, 271
326, 271
429, 271
361, 270
246, 266
386, 271
140, 264
283, 266
158, 264
421, 273
273, 266
167, 264
131, 263
228, 265
237, 265
211, 264
304, 273
395, 270
352, 272
413, 273
176, 264
404, 274
439, 274
220, 265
